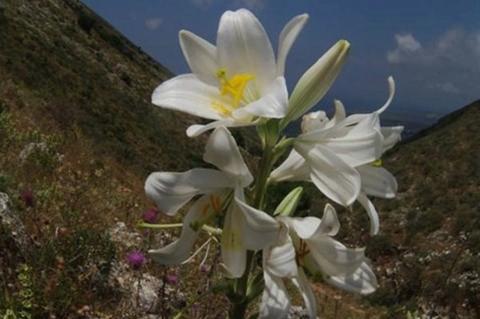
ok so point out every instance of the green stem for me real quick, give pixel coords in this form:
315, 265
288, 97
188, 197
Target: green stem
207, 228
159, 226
240, 300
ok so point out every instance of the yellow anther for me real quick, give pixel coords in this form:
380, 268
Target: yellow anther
235, 86
377, 163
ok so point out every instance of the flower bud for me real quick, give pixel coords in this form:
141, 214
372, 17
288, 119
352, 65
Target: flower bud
316, 81
314, 121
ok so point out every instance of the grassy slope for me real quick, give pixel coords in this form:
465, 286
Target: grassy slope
76, 86
77, 76
429, 249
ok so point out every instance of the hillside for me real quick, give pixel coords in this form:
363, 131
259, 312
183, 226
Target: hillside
429, 247
78, 135
64, 69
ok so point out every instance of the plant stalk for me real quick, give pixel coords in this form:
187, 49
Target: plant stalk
240, 300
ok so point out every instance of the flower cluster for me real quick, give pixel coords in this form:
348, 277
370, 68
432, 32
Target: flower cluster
239, 82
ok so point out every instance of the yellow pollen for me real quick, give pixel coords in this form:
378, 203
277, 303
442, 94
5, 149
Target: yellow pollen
233, 88
377, 163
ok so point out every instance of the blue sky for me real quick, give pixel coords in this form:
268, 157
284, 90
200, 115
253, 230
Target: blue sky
432, 48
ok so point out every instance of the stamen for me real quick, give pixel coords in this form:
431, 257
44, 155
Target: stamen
302, 252
233, 87
197, 251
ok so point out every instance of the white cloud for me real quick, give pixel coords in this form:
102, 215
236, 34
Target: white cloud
406, 45
153, 23
449, 64
453, 47
446, 87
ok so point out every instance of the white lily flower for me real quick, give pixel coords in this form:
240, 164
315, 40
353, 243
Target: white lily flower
326, 153
236, 82
307, 243
375, 180
222, 193
351, 147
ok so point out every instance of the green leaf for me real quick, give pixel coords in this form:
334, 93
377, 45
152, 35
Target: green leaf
289, 204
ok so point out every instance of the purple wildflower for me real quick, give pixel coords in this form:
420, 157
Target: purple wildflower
171, 279
136, 259
28, 197
150, 216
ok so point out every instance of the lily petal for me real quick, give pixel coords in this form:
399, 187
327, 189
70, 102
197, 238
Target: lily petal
186, 93
234, 253
259, 229
362, 281
340, 113
271, 105
315, 82
304, 227
222, 151
294, 168
280, 259
391, 136
287, 38
179, 250
391, 93
330, 224
332, 176
332, 257
377, 181
200, 55
372, 213
307, 293
171, 191
275, 301
198, 129
356, 145
243, 47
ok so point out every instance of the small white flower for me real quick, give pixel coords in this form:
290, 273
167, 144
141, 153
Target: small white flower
222, 193
236, 82
308, 243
